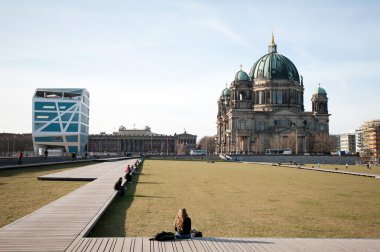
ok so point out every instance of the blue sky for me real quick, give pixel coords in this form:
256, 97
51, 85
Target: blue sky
165, 63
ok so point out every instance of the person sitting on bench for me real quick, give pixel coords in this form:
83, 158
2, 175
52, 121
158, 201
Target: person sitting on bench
182, 225
119, 187
128, 174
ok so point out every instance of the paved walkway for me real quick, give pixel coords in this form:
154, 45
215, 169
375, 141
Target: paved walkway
362, 174
55, 226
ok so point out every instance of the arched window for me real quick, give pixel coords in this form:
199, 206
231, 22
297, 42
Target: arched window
242, 96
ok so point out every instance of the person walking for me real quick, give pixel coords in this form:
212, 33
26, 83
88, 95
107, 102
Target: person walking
20, 157
46, 153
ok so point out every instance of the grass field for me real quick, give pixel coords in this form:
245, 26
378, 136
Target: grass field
351, 168
21, 193
245, 200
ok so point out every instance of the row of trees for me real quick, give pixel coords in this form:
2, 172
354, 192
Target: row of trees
13, 143
314, 143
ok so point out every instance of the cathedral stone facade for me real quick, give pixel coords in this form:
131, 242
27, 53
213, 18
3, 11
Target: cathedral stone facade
265, 109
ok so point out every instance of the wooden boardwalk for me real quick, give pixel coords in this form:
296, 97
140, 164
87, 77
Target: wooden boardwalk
63, 224
142, 244
55, 226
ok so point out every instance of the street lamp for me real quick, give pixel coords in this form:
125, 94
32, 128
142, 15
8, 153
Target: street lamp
13, 148
8, 146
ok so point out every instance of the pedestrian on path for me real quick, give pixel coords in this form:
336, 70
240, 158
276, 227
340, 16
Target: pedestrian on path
20, 157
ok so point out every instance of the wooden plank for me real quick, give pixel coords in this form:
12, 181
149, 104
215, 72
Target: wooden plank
295, 244
199, 245
212, 244
127, 247
185, 244
222, 244
138, 246
146, 244
118, 245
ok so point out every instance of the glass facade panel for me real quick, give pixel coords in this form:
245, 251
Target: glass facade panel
72, 138
66, 117
43, 116
73, 149
76, 117
48, 106
73, 127
63, 106
48, 139
53, 127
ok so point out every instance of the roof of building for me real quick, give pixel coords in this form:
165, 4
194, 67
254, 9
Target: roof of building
136, 132
241, 76
226, 92
274, 66
60, 92
320, 91
185, 135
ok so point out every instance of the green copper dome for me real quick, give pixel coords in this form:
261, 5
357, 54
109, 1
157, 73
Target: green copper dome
320, 91
226, 92
242, 76
274, 66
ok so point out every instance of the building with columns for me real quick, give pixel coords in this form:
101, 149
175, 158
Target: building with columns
265, 109
140, 141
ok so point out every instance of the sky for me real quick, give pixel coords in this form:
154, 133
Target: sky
164, 63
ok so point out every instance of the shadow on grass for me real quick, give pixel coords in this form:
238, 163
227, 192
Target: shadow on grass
148, 196
112, 223
151, 183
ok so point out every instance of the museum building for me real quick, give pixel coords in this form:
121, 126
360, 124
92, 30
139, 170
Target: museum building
141, 141
265, 109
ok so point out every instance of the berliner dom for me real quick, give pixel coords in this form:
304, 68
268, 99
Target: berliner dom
265, 109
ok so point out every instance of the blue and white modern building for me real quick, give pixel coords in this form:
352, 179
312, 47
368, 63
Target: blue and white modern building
61, 120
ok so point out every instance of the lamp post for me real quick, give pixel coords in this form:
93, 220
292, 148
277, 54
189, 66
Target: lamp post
8, 146
13, 147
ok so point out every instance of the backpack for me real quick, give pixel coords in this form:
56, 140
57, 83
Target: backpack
196, 233
163, 236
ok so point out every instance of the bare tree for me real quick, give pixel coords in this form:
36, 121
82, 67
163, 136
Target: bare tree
321, 143
259, 145
207, 143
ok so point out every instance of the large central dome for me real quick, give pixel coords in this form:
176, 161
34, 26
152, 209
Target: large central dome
274, 66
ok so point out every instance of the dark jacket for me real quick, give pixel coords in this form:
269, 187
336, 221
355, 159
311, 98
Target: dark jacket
117, 185
186, 226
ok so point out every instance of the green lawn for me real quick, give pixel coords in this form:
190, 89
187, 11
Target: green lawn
22, 193
351, 168
245, 200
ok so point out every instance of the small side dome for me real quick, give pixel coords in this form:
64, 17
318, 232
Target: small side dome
226, 92
241, 76
320, 91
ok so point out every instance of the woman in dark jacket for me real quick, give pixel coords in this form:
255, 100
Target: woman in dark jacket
182, 225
